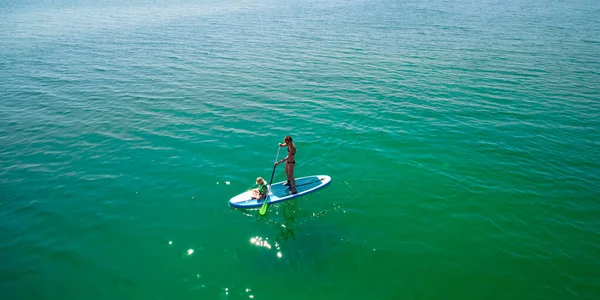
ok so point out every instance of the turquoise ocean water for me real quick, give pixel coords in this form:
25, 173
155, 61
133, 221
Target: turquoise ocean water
462, 138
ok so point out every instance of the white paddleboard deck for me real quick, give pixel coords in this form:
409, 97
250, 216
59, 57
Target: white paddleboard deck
279, 192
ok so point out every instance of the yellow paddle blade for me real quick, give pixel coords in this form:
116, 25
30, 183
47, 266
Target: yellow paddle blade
263, 208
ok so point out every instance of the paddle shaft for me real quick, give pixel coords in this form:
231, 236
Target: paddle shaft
263, 209
275, 166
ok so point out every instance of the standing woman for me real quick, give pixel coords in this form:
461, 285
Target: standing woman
290, 163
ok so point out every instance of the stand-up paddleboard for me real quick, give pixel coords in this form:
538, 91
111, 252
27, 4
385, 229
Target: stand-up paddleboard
279, 192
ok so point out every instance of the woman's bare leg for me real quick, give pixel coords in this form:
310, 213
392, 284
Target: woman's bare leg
291, 178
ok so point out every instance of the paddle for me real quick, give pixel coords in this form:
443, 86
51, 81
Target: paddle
263, 208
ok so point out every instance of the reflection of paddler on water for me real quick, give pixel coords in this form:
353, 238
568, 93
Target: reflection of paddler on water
260, 192
286, 230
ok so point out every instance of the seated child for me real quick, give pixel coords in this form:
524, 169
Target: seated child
260, 192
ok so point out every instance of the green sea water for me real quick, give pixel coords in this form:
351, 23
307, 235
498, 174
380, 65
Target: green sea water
462, 138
